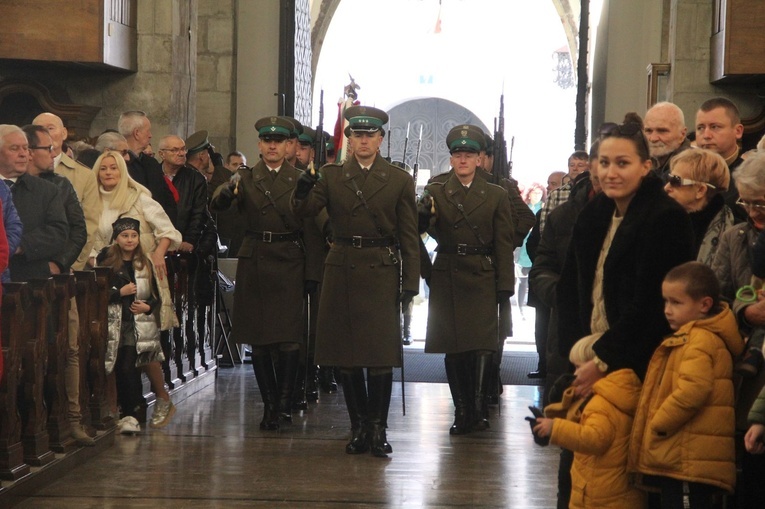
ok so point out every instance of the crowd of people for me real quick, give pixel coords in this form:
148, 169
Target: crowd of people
645, 263
647, 273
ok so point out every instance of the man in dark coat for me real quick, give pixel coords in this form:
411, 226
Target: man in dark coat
371, 272
200, 239
41, 164
472, 274
40, 208
279, 261
198, 156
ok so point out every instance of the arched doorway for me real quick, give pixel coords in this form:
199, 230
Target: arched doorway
435, 117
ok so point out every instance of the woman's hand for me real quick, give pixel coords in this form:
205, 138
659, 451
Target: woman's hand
753, 440
128, 289
586, 376
158, 259
139, 307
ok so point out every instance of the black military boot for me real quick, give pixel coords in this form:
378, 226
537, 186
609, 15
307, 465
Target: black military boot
380, 387
481, 365
287, 376
264, 374
355, 392
459, 386
406, 331
312, 384
299, 401
327, 379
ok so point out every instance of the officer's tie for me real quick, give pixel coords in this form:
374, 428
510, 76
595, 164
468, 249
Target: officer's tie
9, 183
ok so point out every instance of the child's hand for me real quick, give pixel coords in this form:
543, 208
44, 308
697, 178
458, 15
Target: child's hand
128, 289
139, 307
586, 376
753, 440
544, 427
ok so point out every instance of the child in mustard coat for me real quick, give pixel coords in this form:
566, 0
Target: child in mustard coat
600, 439
682, 439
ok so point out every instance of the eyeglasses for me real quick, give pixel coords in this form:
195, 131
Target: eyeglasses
174, 150
678, 181
759, 207
49, 148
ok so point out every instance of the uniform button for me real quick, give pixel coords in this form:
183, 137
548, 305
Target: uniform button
263, 212
455, 226
353, 266
354, 214
371, 265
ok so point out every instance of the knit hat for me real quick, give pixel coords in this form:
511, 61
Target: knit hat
125, 223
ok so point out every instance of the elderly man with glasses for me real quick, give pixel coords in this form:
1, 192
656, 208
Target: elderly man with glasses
189, 190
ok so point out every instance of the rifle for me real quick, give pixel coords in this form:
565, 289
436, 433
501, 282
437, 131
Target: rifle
406, 144
319, 144
417, 161
500, 168
390, 135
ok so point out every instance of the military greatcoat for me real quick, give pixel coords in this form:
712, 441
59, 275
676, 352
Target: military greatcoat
270, 276
462, 309
358, 323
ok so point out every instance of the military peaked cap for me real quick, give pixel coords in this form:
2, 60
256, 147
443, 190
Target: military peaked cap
197, 142
365, 119
465, 138
276, 128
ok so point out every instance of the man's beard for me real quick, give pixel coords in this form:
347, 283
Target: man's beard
659, 149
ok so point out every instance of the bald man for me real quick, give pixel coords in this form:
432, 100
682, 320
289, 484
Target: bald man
82, 178
664, 128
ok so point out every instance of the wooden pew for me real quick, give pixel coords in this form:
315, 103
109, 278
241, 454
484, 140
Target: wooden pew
56, 400
16, 302
85, 290
37, 326
98, 313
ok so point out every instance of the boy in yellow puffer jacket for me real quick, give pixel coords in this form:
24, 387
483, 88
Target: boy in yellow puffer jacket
601, 437
682, 439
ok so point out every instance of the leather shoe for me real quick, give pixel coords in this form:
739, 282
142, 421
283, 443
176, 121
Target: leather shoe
536, 374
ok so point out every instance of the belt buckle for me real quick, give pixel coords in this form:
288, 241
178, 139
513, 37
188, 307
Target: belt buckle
267, 237
356, 241
462, 249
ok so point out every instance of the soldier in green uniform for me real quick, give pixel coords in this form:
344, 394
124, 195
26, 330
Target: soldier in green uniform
371, 269
305, 148
293, 144
471, 220
279, 261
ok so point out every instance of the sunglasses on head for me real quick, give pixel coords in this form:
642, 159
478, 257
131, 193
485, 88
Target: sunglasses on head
678, 181
629, 130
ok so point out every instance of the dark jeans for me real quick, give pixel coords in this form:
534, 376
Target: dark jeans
564, 478
129, 385
673, 493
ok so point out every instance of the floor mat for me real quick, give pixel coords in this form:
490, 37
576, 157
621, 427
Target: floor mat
429, 367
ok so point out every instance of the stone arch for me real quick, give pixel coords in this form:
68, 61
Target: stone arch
323, 10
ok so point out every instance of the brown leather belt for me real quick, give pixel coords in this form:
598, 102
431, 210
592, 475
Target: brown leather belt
361, 242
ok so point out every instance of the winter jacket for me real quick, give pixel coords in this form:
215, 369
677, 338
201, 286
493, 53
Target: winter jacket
147, 345
12, 225
713, 228
600, 442
655, 236
685, 421
732, 266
